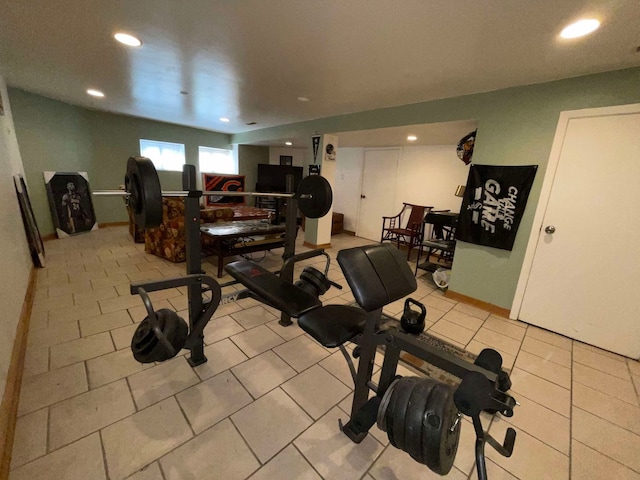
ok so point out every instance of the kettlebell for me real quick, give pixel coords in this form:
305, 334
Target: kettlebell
412, 321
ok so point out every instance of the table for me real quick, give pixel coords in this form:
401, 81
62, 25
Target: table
241, 236
441, 238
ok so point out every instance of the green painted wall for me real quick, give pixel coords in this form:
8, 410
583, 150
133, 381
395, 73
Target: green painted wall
55, 136
251, 156
516, 126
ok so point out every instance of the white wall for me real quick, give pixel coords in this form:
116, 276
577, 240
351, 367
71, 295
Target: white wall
427, 175
15, 259
348, 184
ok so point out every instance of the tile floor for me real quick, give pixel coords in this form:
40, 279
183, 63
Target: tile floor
267, 403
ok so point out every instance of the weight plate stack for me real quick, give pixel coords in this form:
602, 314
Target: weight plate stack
421, 419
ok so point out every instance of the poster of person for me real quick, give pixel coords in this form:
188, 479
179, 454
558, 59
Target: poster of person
70, 202
493, 204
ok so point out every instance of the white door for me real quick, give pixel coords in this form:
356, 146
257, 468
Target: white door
584, 282
378, 191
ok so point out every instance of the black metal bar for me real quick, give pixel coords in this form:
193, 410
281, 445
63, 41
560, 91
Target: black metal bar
196, 333
441, 359
290, 233
365, 370
194, 258
166, 283
389, 367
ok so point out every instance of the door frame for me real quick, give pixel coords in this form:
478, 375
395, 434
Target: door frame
364, 165
547, 184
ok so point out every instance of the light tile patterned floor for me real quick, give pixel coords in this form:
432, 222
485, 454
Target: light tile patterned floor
267, 403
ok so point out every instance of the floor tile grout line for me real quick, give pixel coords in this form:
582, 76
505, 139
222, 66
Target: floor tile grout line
608, 457
600, 391
105, 465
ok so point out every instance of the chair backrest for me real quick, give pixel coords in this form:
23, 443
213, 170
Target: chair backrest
377, 274
414, 222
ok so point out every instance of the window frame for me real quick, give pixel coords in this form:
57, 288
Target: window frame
233, 159
161, 164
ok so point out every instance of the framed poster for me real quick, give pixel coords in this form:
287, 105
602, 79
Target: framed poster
36, 246
493, 204
286, 160
70, 202
222, 183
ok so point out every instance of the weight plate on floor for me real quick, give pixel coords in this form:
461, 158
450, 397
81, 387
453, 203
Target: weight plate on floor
314, 196
143, 185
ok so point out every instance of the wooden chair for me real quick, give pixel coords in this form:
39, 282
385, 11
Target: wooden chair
409, 232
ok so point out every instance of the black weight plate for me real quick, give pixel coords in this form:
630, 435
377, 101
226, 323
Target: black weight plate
439, 443
145, 197
144, 343
146, 346
416, 409
398, 411
176, 331
384, 405
321, 196
317, 278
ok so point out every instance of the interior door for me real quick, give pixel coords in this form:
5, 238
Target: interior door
585, 276
377, 198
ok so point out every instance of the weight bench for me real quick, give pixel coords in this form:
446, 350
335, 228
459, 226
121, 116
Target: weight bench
421, 416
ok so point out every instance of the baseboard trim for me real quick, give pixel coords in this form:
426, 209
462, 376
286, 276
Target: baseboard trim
112, 224
315, 247
500, 311
349, 232
9, 406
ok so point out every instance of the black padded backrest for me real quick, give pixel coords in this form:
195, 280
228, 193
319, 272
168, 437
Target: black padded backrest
377, 274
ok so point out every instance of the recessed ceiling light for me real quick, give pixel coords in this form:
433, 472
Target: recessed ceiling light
127, 39
412, 138
224, 119
580, 28
303, 99
288, 144
95, 93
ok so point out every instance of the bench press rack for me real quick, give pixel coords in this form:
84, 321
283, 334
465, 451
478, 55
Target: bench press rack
197, 283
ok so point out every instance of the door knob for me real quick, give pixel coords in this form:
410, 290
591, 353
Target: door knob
363, 196
550, 229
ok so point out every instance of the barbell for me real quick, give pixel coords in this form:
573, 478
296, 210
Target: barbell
144, 194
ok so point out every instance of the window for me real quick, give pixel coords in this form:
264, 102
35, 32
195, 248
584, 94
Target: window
164, 155
217, 160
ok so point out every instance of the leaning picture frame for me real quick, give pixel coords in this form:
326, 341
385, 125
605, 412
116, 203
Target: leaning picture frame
70, 203
36, 246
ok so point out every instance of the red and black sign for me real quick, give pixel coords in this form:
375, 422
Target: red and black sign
222, 183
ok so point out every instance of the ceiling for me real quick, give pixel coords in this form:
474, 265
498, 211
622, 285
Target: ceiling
250, 60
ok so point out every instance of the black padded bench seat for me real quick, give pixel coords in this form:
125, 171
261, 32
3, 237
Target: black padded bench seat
333, 325
274, 291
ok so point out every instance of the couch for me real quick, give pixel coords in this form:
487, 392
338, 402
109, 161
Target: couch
168, 241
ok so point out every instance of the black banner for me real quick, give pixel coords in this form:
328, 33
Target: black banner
316, 145
493, 204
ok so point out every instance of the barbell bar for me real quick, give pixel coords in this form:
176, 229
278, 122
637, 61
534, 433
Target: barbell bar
142, 190
218, 193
